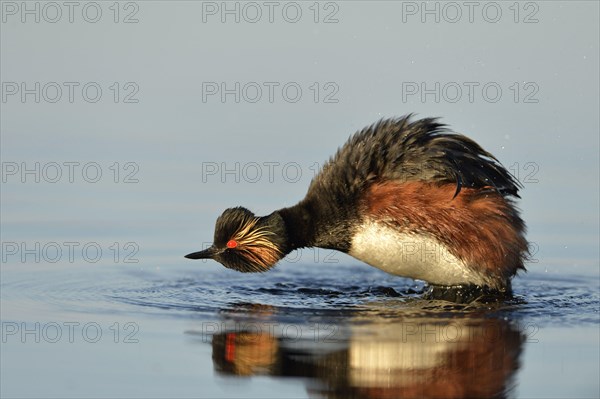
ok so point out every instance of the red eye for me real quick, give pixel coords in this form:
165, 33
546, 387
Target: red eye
231, 244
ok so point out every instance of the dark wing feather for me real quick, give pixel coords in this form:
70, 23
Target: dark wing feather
403, 150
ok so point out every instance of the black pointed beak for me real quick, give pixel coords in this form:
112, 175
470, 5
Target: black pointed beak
208, 253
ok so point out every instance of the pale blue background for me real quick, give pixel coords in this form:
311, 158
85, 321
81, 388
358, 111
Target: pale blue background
171, 133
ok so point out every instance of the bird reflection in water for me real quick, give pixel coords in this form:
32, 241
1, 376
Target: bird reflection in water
382, 357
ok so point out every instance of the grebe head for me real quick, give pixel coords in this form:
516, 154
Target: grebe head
245, 242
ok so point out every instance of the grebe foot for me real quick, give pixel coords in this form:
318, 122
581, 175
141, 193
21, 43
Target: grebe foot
466, 293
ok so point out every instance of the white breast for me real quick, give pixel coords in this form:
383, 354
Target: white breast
410, 255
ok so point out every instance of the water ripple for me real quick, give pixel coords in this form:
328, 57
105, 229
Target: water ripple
297, 293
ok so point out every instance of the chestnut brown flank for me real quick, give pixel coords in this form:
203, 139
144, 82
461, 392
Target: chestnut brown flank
479, 226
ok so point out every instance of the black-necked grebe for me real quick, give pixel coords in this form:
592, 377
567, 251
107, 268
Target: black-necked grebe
408, 197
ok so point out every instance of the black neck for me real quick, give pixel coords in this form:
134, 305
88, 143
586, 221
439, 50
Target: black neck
310, 225
299, 226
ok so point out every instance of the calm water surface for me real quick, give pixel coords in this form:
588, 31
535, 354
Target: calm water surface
166, 158
199, 330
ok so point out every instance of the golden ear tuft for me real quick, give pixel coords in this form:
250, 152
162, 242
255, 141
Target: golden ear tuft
254, 244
